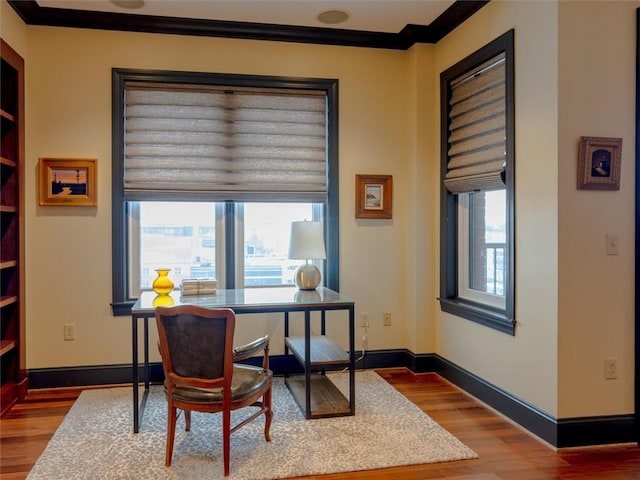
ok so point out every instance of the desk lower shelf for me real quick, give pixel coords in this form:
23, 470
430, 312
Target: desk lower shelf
326, 399
324, 352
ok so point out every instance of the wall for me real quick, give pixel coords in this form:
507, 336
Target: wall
12, 29
575, 75
389, 124
597, 52
69, 115
525, 365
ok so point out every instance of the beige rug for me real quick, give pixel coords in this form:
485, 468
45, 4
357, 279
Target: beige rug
95, 440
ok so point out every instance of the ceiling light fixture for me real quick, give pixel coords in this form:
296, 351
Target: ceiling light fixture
332, 17
129, 4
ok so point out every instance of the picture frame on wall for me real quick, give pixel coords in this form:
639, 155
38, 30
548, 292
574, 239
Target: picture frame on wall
67, 182
599, 160
374, 195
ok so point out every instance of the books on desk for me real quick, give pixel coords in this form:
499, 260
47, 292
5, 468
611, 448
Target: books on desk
198, 287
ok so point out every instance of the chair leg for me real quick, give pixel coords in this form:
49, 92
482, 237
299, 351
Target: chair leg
266, 400
171, 433
187, 420
226, 439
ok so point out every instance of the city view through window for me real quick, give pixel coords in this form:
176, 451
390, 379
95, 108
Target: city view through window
182, 236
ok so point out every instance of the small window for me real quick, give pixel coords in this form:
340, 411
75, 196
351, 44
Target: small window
477, 190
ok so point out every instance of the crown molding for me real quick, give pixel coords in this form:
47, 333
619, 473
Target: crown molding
33, 14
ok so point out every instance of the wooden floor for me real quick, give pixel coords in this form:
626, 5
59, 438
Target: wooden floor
505, 452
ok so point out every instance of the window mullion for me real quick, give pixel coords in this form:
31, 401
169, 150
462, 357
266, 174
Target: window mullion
229, 245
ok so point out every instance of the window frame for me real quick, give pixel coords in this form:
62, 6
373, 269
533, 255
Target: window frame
121, 302
501, 319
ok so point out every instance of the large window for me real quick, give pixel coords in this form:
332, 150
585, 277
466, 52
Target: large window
210, 170
477, 190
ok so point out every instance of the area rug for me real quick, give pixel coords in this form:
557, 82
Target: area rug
95, 440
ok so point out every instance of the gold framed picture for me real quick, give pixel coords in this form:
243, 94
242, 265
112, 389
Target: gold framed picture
599, 161
374, 194
68, 182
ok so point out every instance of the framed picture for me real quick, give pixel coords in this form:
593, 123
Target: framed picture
69, 182
374, 194
599, 163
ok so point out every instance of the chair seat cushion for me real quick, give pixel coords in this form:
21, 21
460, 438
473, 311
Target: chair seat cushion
247, 381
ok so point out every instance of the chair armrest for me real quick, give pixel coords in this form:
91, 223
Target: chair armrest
250, 349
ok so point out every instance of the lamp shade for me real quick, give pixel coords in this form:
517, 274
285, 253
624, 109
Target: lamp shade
307, 241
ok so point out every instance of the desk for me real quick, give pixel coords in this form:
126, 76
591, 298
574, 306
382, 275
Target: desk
310, 351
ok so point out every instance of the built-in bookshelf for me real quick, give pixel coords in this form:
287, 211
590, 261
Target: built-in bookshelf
13, 381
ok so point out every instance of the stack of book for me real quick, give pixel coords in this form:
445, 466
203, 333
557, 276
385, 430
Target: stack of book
198, 287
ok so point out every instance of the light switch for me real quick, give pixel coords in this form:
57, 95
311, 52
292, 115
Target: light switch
612, 244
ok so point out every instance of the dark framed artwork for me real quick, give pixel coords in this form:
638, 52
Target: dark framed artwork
374, 195
68, 182
599, 161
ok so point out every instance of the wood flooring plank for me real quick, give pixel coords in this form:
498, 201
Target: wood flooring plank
505, 452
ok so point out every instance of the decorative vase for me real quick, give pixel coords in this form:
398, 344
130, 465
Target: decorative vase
162, 285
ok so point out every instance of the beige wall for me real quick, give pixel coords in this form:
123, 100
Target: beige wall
12, 29
597, 52
69, 115
389, 123
525, 364
575, 76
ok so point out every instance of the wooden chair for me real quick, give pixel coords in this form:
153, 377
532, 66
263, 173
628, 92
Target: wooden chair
196, 345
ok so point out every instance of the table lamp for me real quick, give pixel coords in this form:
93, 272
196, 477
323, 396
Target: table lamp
307, 243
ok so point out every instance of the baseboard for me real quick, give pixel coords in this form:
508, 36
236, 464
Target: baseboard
604, 430
568, 432
561, 433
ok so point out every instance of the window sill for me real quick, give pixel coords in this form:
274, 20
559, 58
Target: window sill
121, 309
482, 314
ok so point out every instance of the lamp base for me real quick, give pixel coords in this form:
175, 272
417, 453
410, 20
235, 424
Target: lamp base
307, 277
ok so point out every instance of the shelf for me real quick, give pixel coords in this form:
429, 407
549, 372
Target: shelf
326, 400
324, 351
8, 300
7, 162
7, 116
13, 381
6, 346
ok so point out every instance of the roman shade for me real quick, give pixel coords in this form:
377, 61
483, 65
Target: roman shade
203, 143
477, 129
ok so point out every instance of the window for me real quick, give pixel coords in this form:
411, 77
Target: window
477, 189
210, 170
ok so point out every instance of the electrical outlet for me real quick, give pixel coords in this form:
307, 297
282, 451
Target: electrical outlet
364, 320
386, 319
69, 331
610, 368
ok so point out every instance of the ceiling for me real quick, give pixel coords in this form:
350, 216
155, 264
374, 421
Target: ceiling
370, 23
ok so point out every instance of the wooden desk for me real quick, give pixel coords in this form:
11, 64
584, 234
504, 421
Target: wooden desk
316, 396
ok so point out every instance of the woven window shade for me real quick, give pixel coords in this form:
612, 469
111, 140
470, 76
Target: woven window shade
213, 144
477, 132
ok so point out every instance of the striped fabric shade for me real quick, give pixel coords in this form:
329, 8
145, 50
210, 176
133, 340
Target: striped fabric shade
477, 132
201, 143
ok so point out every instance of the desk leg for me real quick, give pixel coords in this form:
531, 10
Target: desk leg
134, 372
138, 407
307, 363
352, 361
146, 353
286, 349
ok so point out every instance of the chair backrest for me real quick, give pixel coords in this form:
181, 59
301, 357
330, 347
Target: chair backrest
196, 342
